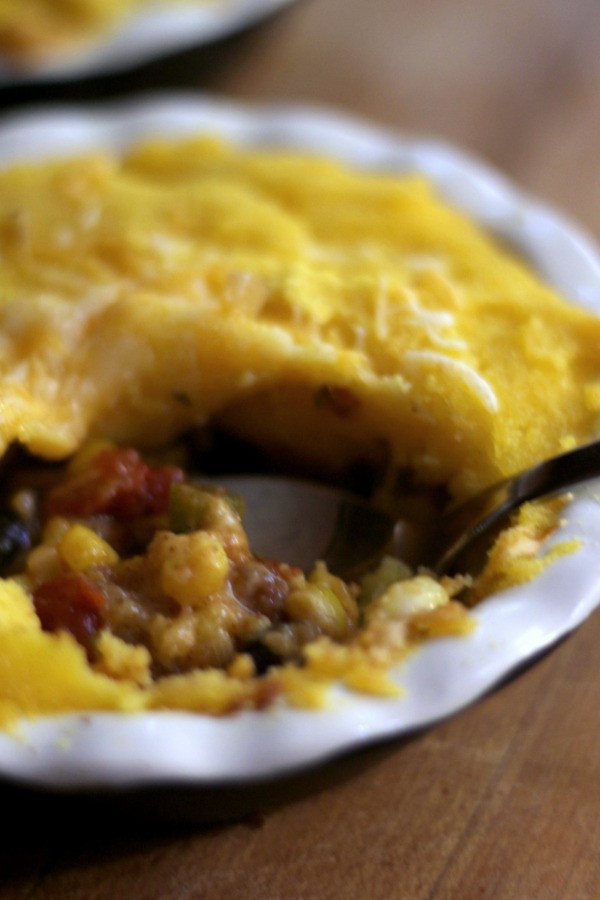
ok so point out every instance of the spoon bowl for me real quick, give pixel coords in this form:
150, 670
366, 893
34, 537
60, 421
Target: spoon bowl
300, 521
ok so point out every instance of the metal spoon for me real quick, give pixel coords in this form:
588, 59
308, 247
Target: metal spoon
299, 522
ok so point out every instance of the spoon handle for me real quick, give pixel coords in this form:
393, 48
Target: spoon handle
465, 524
558, 473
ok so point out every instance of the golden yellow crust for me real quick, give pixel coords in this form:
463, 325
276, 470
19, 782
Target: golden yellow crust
325, 314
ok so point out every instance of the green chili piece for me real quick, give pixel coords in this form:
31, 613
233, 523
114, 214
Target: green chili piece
193, 507
189, 508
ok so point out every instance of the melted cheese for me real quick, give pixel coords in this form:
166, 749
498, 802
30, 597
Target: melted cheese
190, 282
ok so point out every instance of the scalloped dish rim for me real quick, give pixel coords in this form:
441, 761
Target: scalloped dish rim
118, 750
147, 35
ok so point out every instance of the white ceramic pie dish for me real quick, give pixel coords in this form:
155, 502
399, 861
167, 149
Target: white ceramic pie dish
151, 33
116, 751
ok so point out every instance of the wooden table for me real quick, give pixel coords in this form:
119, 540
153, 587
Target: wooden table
503, 800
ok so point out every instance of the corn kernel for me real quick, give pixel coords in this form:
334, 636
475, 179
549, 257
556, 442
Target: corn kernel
319, 605
407, 598
80, 548
192, 566
55, 529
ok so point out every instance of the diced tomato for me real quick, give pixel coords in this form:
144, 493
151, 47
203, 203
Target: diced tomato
72, 603
117, 482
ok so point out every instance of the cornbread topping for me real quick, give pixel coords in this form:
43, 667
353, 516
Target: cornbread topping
326, 315
337, 321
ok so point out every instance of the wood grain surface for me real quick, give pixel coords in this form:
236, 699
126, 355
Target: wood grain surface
503, 800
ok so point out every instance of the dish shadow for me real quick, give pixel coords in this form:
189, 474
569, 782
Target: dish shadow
200, 67
52, 831
158, 808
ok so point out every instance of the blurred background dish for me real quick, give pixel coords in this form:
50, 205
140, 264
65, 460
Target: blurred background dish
153, 31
